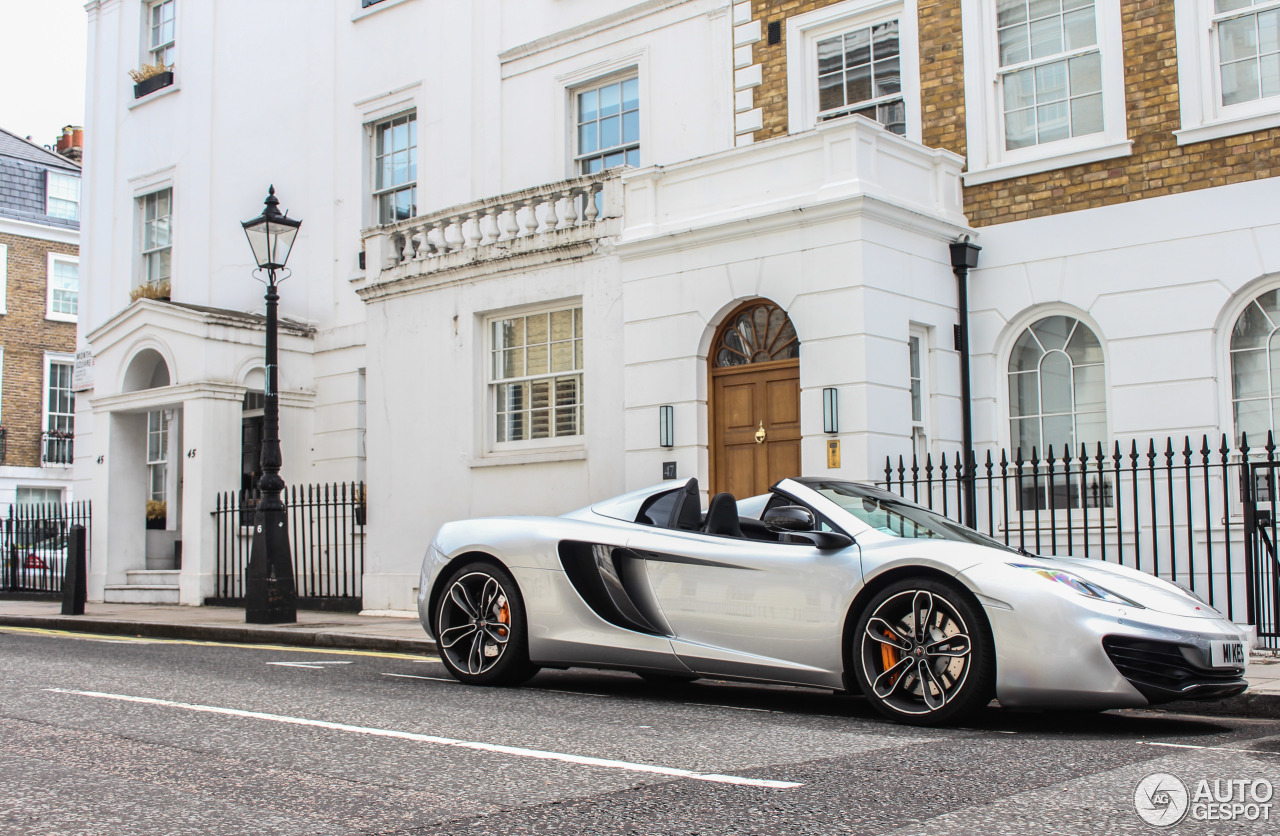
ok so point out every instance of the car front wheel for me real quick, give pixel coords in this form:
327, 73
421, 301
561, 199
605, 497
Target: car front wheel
923, 653
481, 627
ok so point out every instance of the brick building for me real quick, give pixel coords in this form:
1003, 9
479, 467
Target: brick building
39, 302
563, 226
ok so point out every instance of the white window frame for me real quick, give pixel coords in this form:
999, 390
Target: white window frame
51, 177
1204, 117
989, 161
49, 312
143, 252
492, 382
152, 52
920, 435
162, 460
579, 156
1, 385
635, 62
51, 359
4, 278
805, 30
413, 185
44, 491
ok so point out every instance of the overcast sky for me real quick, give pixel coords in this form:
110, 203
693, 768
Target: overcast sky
42, 62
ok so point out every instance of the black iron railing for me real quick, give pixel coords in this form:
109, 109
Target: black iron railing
1174, 509
57, 448
34, 541
326, 536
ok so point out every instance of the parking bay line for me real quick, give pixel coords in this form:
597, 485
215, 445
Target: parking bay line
1209, 748
516, 751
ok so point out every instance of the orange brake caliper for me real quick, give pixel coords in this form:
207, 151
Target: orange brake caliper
889, 657
504, 615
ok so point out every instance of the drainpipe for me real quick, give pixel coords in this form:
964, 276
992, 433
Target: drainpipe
964, 257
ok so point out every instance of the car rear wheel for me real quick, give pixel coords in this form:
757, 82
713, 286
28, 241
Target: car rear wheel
923, 653
481, 627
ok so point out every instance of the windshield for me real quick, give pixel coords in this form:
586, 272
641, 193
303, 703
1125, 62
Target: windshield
890, 514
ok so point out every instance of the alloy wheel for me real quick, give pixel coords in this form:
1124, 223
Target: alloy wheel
475, 623
916, 652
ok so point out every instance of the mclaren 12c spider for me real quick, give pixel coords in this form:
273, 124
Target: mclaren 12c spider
821, 583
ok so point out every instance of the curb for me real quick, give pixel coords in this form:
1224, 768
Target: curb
247, 634
1251, 705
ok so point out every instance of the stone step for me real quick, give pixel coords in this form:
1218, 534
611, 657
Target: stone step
141, 594
152, 577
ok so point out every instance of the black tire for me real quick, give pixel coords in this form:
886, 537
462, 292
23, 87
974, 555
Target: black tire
943, 676
481, 627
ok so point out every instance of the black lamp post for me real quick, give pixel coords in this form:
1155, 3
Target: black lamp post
964, 257
269, 593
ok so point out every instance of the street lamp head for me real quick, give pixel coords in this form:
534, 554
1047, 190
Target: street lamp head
271, 234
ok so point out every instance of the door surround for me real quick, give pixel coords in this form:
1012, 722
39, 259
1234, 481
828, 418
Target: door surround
756, 337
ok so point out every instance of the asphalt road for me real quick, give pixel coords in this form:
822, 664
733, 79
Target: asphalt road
116, 736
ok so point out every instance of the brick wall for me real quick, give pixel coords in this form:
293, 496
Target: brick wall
26, 335
1157, 166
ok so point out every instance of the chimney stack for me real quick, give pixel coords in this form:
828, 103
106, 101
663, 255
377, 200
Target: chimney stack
71, 143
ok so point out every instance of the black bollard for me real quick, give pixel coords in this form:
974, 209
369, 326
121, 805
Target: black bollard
74, 590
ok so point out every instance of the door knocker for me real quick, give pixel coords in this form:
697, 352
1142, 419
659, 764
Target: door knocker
760, 434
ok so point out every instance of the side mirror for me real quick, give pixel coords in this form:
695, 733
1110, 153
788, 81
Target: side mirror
821, 540
789, 518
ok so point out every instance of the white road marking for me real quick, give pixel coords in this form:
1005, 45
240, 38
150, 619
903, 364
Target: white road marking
1210, 748
432, 678
734, 707
515, 751
574, 693
314, 665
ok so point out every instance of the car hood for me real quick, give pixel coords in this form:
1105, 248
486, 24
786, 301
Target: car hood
1149, 591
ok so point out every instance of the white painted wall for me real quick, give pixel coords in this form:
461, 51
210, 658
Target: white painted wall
1161, 281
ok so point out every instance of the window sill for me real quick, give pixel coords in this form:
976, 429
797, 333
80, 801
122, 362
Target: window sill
361, 14
1008, 171
562, 454
158, 94
57, 317
1228, 127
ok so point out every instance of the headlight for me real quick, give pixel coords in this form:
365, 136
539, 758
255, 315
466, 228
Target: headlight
1078, 584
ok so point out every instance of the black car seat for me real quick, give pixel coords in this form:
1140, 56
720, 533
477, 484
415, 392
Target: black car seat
722, 516
686, 514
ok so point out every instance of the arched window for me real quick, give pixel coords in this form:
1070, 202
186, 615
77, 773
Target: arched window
756, 334
1057, 392
1255, 358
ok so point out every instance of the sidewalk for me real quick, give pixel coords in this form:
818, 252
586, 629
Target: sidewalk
225, 624
405, 635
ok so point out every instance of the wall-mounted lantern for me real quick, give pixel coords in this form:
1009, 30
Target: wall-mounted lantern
666, 426
830, 411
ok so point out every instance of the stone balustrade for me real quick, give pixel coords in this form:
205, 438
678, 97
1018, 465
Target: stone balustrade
542, 217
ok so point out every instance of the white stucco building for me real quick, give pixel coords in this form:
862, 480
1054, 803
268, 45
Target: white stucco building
488, 316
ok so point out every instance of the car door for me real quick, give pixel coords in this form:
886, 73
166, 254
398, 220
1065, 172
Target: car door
749, 608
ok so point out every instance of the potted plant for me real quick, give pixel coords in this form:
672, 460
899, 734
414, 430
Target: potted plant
359, 507
151, 290
149, 78
248, 507
157, 513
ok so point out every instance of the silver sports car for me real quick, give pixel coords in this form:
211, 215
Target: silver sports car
823, 583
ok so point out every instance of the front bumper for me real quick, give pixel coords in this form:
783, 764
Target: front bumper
1056, 650
1164, 671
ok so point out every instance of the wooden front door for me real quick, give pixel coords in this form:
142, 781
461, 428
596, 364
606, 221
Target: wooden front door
755, 401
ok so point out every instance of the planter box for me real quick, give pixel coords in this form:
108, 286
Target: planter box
150, 85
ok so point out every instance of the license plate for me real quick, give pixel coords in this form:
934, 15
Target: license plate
1226, 654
